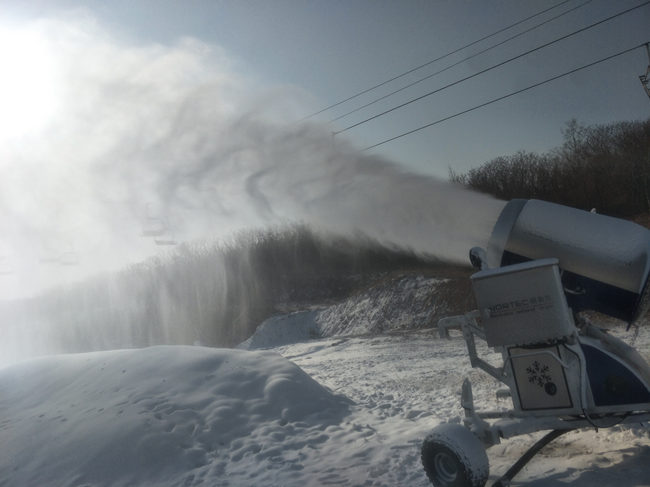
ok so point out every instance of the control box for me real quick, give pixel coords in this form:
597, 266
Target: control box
523, 304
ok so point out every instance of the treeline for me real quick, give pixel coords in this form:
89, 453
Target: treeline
212, 293
606, 167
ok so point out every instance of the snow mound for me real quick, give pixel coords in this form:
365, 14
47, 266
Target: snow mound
284, 330
159, 416
407, 303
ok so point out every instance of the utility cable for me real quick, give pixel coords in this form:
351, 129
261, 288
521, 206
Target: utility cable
431, 62
502, 63
505, 96
460, 62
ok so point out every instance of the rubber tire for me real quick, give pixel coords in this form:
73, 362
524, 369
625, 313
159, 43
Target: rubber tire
453, 457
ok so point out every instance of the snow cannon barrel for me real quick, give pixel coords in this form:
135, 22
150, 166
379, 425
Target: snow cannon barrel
605, 261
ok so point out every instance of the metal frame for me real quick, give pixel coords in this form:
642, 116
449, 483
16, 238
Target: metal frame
492, 426
644, 77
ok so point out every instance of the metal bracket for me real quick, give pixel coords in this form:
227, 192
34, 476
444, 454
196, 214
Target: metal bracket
644, 77
504, 481
481, 428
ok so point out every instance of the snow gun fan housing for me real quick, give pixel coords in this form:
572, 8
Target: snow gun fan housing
604, 261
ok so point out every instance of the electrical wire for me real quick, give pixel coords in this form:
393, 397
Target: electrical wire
494, 100
502, 63
460, 62
363, 92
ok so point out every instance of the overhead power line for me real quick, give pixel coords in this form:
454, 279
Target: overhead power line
483, 51
494, 100
363, 92
502, 63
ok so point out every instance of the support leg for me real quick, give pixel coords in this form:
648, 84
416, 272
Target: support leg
505, 479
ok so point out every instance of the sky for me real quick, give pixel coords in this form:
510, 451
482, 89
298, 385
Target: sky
334, 49
190, 117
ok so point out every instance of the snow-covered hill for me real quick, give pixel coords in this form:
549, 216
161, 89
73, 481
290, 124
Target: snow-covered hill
409, 302
343, 395
348, 411
166, 416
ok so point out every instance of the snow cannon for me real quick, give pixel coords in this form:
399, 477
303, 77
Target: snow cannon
545, 265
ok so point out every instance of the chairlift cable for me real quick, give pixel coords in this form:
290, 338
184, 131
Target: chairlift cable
502, 63
494, 100
526, 31
431, 62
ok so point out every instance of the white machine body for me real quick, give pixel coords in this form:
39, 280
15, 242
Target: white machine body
522, 308
523, 304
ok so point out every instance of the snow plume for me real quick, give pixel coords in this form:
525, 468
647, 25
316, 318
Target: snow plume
173, 134
302, 174
172, 137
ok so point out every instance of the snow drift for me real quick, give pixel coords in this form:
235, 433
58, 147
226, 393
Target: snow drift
189, 416
163, 415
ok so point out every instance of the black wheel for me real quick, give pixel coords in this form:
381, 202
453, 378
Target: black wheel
453, 457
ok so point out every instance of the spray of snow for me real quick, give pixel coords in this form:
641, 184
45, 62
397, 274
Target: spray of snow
172, 141
173, 134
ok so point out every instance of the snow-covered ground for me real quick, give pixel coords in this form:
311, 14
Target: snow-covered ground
346, 411
406, 384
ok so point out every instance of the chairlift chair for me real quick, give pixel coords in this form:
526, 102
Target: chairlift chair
69, 258
6, 268
169, 240
153, 227
156, 227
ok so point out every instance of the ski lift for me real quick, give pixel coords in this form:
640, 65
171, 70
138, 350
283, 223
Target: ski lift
49, 255
69, 258
165, 241
644, 77
153, 227
164, 237
5, 267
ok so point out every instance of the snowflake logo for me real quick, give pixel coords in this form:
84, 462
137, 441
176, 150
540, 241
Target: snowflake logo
538, 374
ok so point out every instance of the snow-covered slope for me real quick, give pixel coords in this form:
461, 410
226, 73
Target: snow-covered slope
406, 384
406, 303
163, 416
409, 302
189, 416
349, 409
